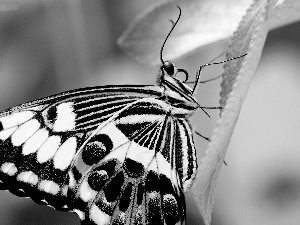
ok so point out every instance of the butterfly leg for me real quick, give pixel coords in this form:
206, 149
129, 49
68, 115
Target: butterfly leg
208, 139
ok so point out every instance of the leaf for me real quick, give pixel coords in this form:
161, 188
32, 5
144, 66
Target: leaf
285, 12
203, 22
249, 38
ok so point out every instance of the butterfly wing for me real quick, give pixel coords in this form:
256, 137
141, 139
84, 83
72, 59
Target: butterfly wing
39, 139
135, 168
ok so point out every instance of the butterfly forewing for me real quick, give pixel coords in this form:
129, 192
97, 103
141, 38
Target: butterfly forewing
38, 140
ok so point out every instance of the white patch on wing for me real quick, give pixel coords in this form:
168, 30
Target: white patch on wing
118, 153
79, 213
153, 165
15, 119
132, 119
164, 166
65, 154
65, 119
72, 182
98, 216
35, 141
49, 186
85, 192
24, 132
48, 149
65, 190
116, 136
184, 148
6, 133
6, 166
38, 107
9, 168
153, 195
12, 171
175, 180
140, 154
28, 177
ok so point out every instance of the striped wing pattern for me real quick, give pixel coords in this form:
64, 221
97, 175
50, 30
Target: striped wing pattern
141, 164
39, 140
113, 155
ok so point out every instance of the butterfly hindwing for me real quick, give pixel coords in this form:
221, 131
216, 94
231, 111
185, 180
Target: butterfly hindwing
132, 170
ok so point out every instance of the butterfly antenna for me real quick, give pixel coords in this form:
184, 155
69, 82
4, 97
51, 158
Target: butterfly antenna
192, 82
173, 26
209, 64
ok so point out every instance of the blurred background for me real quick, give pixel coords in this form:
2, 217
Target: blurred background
47, 47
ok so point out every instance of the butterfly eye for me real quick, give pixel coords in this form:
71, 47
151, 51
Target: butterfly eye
169, 68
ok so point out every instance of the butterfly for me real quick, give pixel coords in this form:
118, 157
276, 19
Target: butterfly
112, 155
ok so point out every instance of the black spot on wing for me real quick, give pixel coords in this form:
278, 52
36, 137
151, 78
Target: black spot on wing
171, 200
9, 153
113, 188
153, 200
76, 173
98, 147
154, 215
101, 174
52, 114
167, 187
126, 198
97, 179
1, 126
171, 209
133, 169
140, 194
152, 182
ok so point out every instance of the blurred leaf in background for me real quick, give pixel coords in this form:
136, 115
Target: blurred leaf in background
52, 46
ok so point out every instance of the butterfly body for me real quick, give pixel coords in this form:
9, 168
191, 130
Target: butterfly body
113, 155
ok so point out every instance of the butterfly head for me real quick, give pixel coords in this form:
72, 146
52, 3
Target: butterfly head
175, 89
